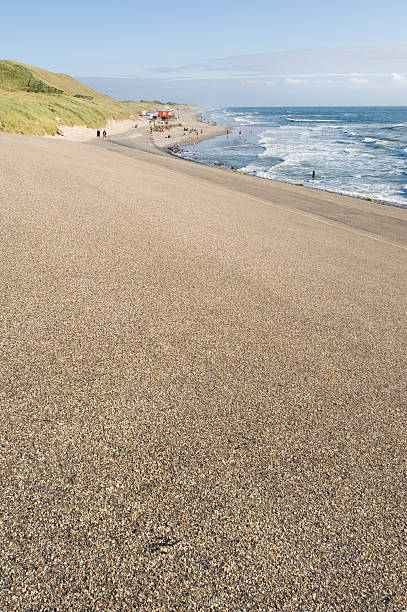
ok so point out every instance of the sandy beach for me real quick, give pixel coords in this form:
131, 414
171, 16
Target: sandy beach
197, 130
164, 137
81, 133
203, 387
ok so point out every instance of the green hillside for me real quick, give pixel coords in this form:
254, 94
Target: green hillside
35, 101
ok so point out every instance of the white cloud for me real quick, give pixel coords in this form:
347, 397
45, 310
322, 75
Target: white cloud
291, 81
358, 81
298, 63
399, 78
325, 82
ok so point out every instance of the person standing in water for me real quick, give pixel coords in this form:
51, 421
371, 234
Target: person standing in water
313, 174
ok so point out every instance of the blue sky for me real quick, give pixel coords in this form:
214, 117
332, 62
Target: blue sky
220, 53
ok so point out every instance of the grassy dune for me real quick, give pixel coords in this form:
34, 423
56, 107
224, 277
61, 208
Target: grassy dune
35, 101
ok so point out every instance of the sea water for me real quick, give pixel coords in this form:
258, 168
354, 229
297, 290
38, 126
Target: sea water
358, 151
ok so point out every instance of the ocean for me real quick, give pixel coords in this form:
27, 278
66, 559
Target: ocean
357, 151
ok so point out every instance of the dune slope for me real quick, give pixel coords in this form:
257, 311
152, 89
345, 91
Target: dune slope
36, 101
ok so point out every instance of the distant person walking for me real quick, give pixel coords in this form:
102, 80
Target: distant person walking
104, 134
98, 134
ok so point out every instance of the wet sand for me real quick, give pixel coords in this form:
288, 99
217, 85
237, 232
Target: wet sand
203, 387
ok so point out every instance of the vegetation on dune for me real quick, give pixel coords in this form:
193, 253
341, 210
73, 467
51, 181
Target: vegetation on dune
16, 76
40, 114
35, 101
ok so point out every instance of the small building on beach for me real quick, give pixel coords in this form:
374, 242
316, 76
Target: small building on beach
166, 115
150, 114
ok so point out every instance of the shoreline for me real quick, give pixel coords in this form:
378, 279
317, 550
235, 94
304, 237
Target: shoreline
325, 204
168, 150
274, 180
198, 131
159, 140
132, 144
325, 189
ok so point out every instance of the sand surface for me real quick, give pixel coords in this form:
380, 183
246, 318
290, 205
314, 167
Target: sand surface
168, 137
81, 133
203, 393
197, 130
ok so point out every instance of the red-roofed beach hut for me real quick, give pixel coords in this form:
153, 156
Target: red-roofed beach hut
165, 114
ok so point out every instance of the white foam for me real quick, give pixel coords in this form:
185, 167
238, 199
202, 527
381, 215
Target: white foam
313, 120
344, 162
252, 168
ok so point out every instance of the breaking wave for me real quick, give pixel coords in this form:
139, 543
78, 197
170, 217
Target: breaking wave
356, 151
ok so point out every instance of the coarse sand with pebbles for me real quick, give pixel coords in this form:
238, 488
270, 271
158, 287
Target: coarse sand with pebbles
203, 394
